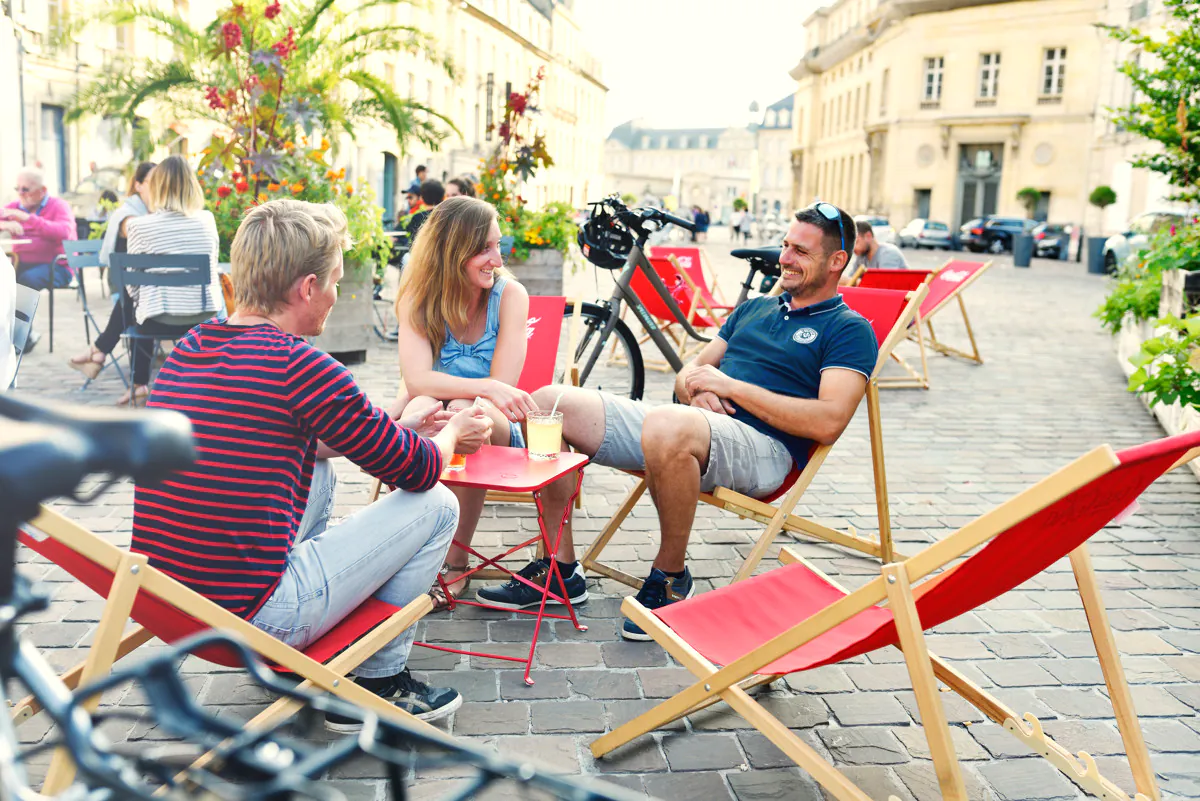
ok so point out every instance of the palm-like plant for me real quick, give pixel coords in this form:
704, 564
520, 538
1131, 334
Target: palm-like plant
325, 82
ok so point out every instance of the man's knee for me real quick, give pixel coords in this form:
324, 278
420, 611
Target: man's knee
672, 430
440, 507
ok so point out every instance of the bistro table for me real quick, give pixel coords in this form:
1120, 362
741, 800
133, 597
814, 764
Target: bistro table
507, 469
7, 244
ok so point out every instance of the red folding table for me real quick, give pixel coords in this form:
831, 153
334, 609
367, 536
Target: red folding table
496, 467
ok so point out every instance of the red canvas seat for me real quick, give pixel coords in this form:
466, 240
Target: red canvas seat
889, 311
690, 261
909, 280
947, 287
543, 330
794, 618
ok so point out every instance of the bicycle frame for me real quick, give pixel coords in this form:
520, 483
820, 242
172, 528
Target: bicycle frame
623, 294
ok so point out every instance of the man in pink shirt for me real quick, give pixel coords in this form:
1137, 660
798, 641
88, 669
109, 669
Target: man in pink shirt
44, 220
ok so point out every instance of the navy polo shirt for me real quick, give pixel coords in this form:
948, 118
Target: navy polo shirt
784, 350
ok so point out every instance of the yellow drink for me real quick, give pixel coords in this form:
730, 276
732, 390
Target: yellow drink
544, 434
457, 462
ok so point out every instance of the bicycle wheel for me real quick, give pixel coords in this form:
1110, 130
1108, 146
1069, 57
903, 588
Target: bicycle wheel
618, 369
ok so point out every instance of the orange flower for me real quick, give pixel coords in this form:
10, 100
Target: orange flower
272, 187
262, 197
330, 174
297, 188
324, 143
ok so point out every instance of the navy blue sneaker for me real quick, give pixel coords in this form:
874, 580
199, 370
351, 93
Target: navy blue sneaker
405, 691
657, 591
514, 594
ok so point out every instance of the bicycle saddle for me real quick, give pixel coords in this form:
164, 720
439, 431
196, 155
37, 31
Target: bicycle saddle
765, 259
59, 445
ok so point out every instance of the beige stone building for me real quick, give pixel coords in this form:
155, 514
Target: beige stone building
774, 145
945, 110
494, 44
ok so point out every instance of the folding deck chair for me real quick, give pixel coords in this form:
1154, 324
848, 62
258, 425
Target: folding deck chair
640, 285
82, 255
890, 312
907, 280
794, 618
693, 265
167, 609
947, 286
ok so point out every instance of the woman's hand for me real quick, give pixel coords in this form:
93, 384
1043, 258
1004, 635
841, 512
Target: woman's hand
513, 403
428, 421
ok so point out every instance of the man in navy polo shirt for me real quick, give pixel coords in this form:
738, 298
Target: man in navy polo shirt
783, 373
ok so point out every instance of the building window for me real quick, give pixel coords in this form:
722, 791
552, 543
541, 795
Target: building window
989, 75
1054, 68
932, 83
883, 93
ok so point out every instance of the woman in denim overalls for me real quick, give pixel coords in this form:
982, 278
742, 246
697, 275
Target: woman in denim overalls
462, 336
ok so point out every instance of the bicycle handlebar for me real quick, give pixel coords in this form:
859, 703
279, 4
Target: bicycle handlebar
636, 217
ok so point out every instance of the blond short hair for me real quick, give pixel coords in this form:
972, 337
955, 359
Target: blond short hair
173, 187
280, 242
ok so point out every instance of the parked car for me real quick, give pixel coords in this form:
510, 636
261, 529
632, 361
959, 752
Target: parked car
964, 232
880, 227
1141, 228
995, 234
926, 234
1051, 239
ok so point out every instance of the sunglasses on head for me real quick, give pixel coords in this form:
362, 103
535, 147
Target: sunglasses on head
831, 212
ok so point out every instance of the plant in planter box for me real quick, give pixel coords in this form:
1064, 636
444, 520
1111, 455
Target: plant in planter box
1168, 366
1029, 199
1137, 287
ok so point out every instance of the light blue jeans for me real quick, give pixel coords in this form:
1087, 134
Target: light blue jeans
391, 550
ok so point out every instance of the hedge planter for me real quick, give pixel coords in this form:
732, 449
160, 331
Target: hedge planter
541, 273
348, 330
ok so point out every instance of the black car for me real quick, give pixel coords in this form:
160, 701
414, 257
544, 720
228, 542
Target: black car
1050, 239
995, 234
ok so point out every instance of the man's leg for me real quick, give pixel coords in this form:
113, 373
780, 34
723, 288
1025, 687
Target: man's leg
675, 440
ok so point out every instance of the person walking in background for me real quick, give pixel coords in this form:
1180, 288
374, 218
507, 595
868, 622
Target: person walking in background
44, 220
178, 224
462, 336
703, 220
115, 236
871, 254
747, 225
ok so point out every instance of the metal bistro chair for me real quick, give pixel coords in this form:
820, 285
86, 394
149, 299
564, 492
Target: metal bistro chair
27, 303
159, 270
82, 254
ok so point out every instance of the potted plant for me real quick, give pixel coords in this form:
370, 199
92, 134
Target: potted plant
1167, 374
1102, 197
541, 238
1029, 199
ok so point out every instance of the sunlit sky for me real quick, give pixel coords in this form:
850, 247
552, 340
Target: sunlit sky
693, 63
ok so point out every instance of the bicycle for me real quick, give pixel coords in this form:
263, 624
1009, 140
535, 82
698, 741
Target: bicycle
615, 238
46, 452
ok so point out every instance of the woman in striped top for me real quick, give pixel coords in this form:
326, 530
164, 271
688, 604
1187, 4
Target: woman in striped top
178, 224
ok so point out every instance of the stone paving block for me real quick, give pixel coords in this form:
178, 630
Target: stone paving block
546, 684
1178, 775
565, 717
688, 786
604, 684
916, 742
867, 709
474, 685
1076, 702
1026, 780
921, 780
691, 751
664, 682
633, 654
643, 755
567, 654
519, 630
761, 753
1097, 737
1154, 702
880, 677
999, 742
1016, 646
828, 679
617, 713
555, 752
1186, 666
876, 782
1013, 673
1073, 671
1170, 736
492, 718
957, 710
863, 745
774, 785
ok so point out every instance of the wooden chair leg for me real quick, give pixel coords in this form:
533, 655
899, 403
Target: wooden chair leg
101, 655
590, 559
916, 657
879, 470
970, 334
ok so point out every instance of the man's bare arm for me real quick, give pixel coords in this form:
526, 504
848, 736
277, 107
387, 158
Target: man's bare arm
822, 419
711, 355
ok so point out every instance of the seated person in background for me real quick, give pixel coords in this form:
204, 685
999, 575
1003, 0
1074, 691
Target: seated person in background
432, 193
871, 254
247, 525
44, 220
178, 224
460, 186
136, 204
783, 372
462, 336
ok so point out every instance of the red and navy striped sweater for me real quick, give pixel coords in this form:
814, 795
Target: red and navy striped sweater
259, 399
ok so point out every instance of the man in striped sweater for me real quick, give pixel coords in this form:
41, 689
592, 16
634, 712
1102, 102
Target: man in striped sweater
246, 526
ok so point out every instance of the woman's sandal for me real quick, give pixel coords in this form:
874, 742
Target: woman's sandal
87, 363
457, 587
135, 396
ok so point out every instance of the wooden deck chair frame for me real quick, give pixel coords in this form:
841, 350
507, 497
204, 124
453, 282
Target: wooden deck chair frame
780, 518
700, 309
895, 586
132, 575
914, 379
706, 269
957, 297
685, 347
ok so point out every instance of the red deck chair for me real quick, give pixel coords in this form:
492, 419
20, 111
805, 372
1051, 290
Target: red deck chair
947, 286
908, 280
692, 263
164, 608
794, 618
890, 312
688, 304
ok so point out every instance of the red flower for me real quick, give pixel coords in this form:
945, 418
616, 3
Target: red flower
242, 186
272, 11
236, 175
504, 130
233, 35
224, 191
517, 102
285, 46
213, 96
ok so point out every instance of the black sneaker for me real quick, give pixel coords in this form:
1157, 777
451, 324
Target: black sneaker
514, 594
414, 697
654, 595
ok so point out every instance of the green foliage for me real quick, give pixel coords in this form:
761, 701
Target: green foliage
1137, 286
1102, 196
1168, 366
740, 204
1029, 197
551, 228
1166, 84
629, 199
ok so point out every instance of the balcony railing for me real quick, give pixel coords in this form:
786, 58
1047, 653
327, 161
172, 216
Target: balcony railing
926, 105
984, 102
1049, 100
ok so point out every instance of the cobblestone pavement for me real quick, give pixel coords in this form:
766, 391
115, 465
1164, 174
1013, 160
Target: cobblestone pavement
1050, 390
